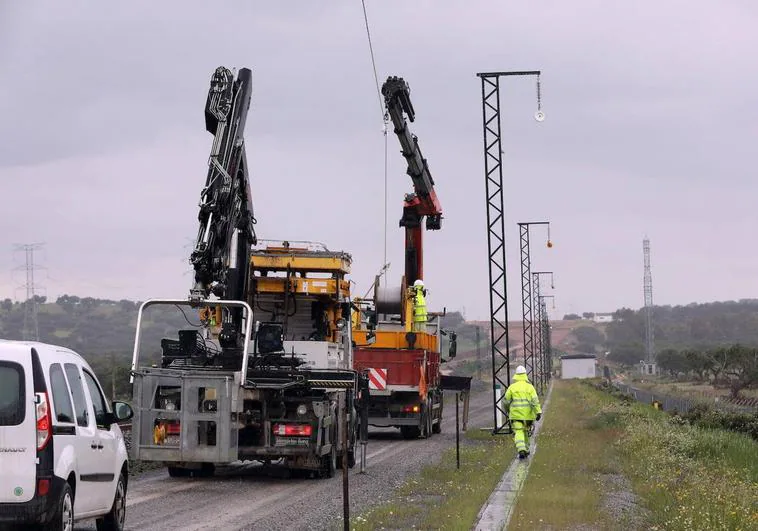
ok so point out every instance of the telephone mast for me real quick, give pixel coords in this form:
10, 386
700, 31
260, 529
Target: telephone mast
649, 363
31, 323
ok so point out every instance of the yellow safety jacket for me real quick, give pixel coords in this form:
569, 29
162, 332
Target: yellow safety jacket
522, 400
419, 305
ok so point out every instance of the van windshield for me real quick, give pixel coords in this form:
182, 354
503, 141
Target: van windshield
12, 396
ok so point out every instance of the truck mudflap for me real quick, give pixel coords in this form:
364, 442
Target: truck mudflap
184, 416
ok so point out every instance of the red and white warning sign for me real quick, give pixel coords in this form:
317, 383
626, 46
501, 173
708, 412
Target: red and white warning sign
377, 379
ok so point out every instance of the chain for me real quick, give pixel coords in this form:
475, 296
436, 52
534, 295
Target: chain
539, 94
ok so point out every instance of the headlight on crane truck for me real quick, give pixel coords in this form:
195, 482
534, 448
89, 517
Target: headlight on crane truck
276, 386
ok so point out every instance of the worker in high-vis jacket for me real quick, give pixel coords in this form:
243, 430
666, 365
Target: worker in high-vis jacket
419, 306
523, 409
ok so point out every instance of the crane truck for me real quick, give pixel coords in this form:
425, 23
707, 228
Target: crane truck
403, 364
264, 370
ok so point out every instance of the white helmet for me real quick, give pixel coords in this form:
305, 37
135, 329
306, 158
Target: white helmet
418, 283
520, 369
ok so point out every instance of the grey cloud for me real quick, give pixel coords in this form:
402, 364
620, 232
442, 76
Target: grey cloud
649, 130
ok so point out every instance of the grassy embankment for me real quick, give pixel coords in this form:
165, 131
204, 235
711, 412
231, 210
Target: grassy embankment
442, 497
616, 464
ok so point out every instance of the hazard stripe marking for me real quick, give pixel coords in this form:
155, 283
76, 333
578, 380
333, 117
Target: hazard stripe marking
377, 379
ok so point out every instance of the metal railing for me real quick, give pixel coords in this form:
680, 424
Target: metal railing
680, 405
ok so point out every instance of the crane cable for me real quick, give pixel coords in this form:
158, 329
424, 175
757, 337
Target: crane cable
384, 124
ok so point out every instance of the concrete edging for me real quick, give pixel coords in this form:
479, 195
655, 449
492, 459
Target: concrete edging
496, 513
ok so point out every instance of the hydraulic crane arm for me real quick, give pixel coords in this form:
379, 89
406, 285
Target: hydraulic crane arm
397, 99
221, 256
423, 201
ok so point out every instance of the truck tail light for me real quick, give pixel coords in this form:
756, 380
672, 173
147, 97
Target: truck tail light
293, 430
44, 429
412, 409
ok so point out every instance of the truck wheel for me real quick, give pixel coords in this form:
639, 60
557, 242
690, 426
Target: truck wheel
437, 428
329, 463
410, 432
426, 419
207, 470
177, 472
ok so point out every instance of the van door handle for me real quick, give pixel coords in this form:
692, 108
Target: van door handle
93, 446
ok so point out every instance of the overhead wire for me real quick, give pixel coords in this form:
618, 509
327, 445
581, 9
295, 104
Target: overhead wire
384, 122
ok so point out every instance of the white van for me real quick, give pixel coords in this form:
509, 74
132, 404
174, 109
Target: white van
62, 455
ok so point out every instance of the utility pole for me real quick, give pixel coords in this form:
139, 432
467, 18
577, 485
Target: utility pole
495, 205
31, 322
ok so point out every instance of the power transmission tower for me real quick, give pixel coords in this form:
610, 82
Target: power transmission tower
648, 288
31, 323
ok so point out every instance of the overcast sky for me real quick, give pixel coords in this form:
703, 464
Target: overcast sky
651, 130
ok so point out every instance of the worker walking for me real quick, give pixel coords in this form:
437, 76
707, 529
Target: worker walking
523, 409
419, 306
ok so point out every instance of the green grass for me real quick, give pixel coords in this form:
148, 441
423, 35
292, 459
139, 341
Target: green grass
690, 477
574, 449
684, 477
442, 497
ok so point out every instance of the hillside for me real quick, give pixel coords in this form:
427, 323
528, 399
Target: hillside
100, 330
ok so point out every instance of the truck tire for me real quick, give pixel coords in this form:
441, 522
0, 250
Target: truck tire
329, 463
437, 428
426, 420
410, 432
177, 472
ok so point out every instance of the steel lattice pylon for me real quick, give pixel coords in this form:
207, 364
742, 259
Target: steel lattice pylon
546, 345
526, 301
537, 381
493, 173
648, 288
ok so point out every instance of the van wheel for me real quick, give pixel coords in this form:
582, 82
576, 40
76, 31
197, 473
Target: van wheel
114, 520
63, 519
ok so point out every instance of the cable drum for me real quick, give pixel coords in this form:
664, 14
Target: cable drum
389, 300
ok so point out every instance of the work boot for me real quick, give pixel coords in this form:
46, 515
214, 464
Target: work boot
522, 454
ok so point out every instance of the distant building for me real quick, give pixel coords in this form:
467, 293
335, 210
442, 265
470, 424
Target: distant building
648, 368
603, 317
578, 366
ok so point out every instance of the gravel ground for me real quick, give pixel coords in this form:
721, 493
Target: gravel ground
620, 502
245, 497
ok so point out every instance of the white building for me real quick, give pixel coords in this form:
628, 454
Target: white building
603, 317
578, 366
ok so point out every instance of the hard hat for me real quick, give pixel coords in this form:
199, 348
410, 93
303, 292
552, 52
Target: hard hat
520, 369
418, 283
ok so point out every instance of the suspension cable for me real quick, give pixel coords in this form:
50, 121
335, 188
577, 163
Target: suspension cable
384, 123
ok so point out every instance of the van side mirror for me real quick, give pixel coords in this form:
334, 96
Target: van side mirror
122, 411
453, 345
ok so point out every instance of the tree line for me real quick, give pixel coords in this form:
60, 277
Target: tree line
715, 342
101, 330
